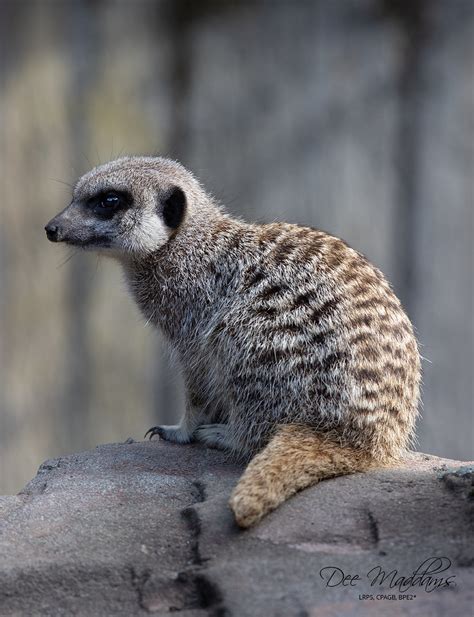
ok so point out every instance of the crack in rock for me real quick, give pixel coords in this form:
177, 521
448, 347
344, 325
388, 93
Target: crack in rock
202, 593
139, 581
460, 481
373, 528
199, 491
206, 592
193, 522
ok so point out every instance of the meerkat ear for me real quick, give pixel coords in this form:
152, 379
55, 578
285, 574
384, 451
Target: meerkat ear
174, 207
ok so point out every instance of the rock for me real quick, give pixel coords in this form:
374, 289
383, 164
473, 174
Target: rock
140, 528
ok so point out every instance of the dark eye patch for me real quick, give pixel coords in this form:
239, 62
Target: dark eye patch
107, 203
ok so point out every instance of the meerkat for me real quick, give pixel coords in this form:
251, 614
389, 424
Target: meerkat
296, 354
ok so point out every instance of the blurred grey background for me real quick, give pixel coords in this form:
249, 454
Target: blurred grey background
356, 116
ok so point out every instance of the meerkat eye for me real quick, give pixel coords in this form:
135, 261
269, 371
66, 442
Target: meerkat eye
105, 205
111, 200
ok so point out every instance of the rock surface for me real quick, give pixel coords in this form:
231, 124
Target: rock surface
140, 528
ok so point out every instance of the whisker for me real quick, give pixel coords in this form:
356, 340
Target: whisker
68, 258
97, 152
87, 159
62, 182
96, 266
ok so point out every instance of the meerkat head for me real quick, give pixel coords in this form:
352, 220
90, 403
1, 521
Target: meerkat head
129, 206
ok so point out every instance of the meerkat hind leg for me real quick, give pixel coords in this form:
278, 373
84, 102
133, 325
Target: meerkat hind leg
214, 436
295, 458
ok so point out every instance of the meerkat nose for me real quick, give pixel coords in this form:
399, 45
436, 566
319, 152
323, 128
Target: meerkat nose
52, 232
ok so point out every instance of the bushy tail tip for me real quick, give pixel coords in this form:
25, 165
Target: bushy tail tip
295, 458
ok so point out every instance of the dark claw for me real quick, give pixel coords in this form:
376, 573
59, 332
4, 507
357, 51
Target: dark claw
155, 430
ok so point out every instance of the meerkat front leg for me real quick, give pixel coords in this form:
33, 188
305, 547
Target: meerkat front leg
183, 432
176, 433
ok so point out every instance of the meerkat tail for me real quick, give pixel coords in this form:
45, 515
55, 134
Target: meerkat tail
295, 458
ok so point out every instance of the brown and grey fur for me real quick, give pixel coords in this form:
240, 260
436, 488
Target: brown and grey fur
295, 351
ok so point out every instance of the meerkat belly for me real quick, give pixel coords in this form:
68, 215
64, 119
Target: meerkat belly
203, 377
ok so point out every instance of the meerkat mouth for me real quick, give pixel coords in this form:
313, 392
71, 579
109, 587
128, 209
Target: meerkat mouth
97, 242
54, 233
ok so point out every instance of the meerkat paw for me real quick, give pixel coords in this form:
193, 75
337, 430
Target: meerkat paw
213, 435
174, 433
